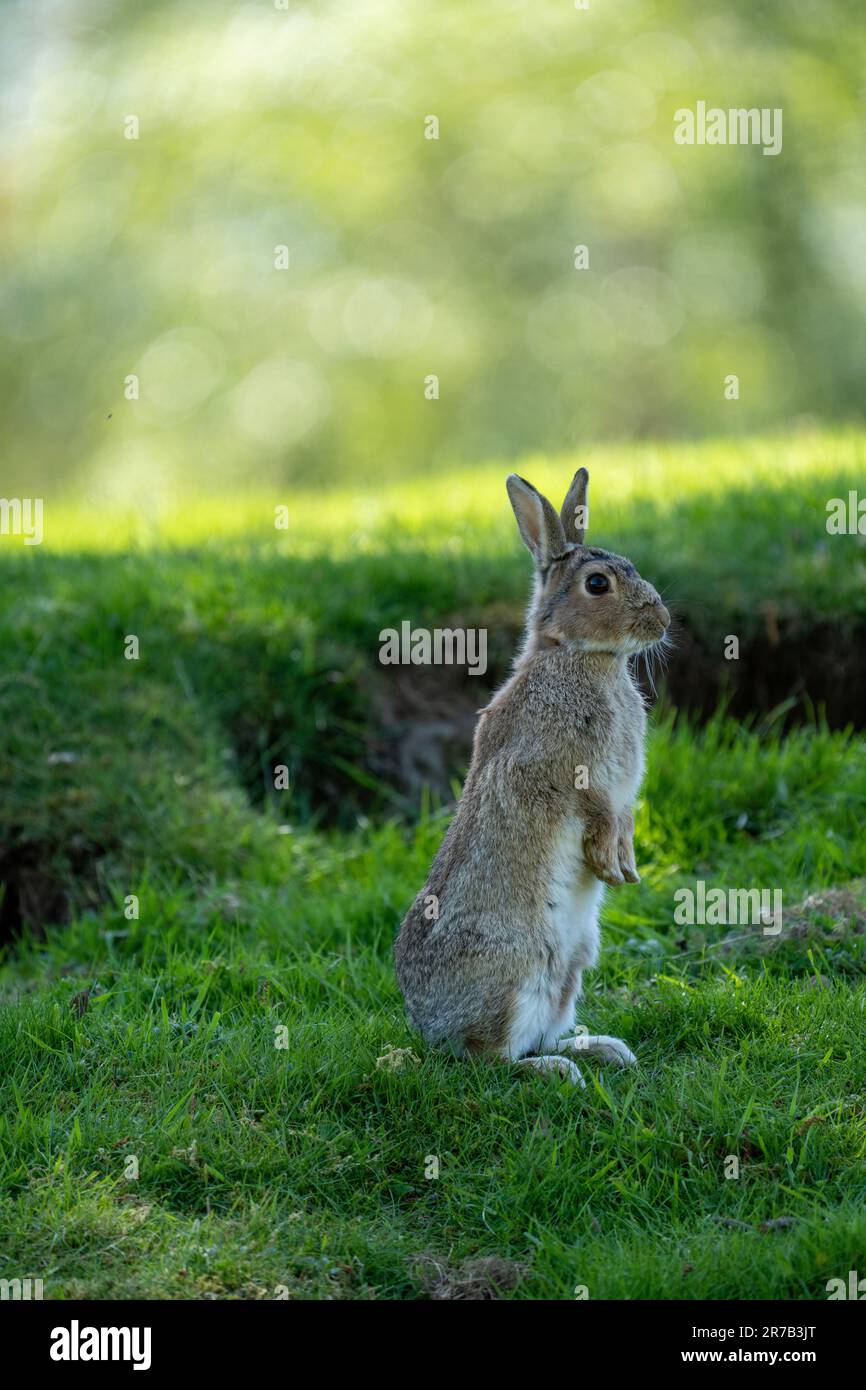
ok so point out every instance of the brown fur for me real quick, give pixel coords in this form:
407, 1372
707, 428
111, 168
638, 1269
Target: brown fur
463, 959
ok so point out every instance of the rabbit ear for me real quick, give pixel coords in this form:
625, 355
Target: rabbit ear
575, 512
539, 525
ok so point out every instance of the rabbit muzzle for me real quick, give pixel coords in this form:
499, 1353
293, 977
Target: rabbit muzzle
652, 622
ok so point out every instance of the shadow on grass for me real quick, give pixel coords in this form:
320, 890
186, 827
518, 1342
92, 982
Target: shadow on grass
257, 682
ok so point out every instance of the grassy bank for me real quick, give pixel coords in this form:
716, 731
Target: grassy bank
219, 1096
304, 1165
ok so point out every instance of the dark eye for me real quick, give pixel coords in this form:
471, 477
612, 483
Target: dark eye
597, 584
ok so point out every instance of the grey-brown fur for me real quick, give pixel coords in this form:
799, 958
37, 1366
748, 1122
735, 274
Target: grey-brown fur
498, 937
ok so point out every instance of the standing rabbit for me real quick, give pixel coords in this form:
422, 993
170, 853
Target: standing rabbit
491, 954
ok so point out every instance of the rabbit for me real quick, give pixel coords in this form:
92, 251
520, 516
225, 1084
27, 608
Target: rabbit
491, 954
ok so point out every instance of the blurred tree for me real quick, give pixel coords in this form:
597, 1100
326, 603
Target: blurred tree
241, 238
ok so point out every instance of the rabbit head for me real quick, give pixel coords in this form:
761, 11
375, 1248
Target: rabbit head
585, 597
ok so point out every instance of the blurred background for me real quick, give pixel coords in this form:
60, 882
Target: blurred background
307, 127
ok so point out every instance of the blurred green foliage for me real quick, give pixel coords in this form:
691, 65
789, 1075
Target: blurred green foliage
305, 127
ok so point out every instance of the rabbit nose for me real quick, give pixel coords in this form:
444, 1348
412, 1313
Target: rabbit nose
659, 612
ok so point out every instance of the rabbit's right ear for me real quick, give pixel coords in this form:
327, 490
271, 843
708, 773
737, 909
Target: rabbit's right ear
575, 512
539, 525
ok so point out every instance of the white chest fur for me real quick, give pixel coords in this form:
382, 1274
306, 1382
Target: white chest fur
572, 902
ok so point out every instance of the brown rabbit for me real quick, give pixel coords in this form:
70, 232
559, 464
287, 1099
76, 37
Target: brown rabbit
491, 954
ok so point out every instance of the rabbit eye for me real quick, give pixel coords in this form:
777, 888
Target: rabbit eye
597, 584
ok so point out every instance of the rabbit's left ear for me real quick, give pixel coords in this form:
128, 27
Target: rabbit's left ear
539, 525
575, 511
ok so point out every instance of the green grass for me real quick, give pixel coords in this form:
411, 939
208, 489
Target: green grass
260, 646
262, 1167
304, 1166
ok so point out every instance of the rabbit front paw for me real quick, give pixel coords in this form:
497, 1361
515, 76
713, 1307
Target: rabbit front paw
625, 849
601, 849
